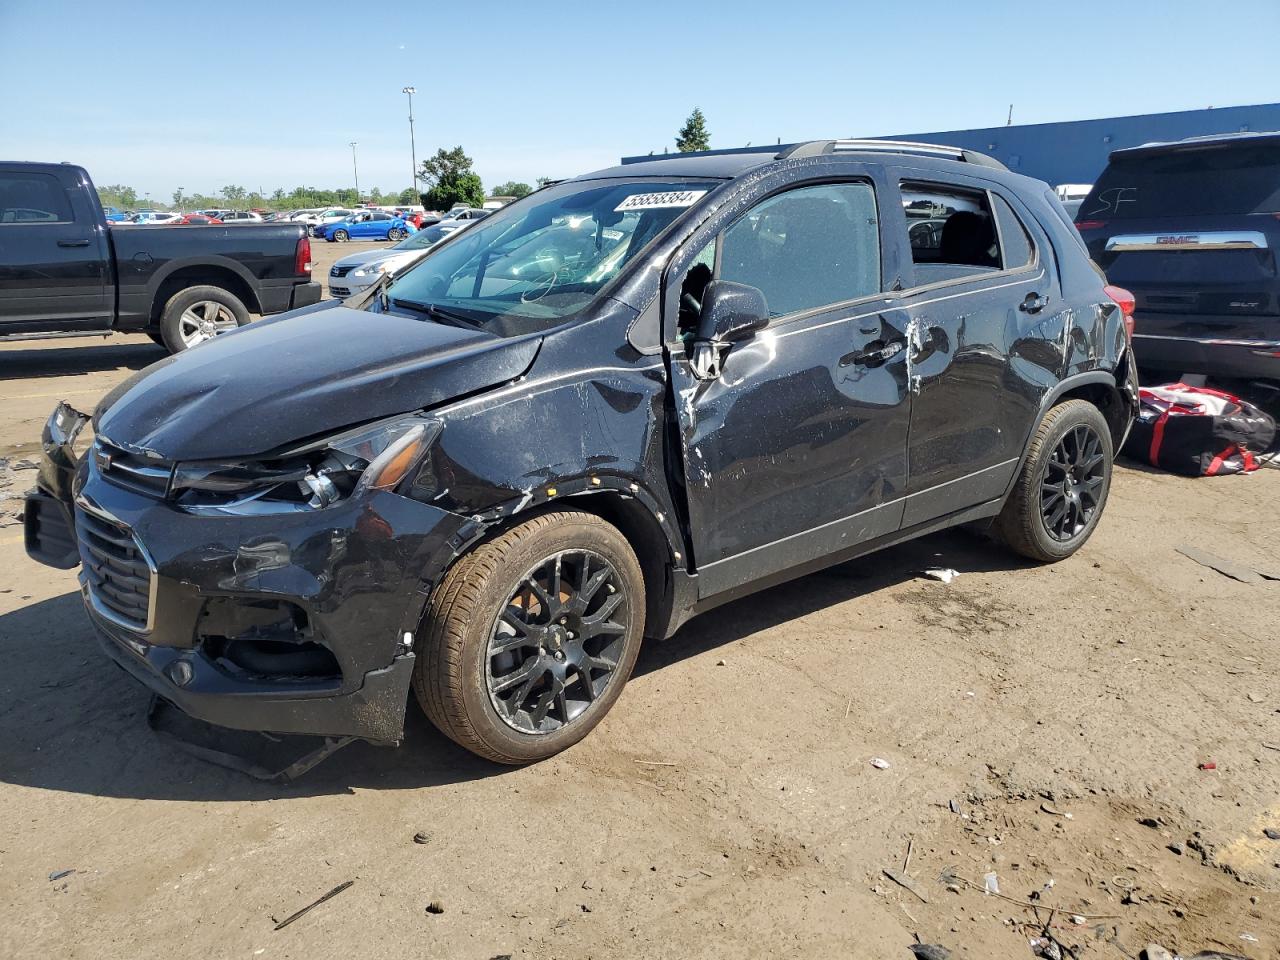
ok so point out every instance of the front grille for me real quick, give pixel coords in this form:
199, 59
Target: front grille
340, 271
116, 570
339, 291
145, 475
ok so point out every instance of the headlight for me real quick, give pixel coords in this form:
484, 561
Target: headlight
373, 457
370, 269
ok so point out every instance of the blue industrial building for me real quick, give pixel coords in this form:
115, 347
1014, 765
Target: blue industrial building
1075, 151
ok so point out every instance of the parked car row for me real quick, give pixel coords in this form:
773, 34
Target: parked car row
353, 273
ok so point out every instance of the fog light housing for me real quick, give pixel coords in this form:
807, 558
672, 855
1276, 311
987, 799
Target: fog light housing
180, 672
264, 640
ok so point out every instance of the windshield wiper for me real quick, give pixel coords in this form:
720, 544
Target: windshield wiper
437, 313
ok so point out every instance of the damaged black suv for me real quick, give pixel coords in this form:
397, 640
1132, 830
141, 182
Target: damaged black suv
608, 407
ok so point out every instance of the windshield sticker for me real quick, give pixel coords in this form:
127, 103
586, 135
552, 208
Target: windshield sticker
657, 201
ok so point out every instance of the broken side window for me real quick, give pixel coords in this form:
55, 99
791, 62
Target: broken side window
952, 232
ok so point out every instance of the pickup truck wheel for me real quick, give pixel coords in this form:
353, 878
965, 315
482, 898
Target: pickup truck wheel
197, 314
529, 639
1061, 492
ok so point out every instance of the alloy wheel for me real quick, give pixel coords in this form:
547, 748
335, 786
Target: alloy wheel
204, 320
556, 643
1072, 483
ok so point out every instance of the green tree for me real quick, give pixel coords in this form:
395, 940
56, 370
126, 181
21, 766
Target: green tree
235, 196
542, 182
450, 180
512, 188
463, 189
444, 165
407, 197
119, 196
694, 134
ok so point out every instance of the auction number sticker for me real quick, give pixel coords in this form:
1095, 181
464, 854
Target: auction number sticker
658, 201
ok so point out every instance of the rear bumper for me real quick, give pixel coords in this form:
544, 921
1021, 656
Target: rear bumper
279, 296
1213, 356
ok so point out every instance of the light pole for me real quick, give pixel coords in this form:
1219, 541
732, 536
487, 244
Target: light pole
413, 147
355, 169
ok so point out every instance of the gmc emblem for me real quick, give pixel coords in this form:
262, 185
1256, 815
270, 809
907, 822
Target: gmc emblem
1180, 238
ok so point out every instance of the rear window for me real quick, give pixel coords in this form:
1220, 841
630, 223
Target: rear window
1213, 180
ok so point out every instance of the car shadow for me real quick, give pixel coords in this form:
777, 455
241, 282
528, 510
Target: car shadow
94, 357
73, 722
958, 550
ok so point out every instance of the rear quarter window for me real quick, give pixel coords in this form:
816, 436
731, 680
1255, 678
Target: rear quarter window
1014, 241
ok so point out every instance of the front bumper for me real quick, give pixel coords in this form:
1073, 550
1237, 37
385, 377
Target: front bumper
357, 574
350, 285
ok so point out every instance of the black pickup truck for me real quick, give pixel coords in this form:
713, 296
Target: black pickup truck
64, 272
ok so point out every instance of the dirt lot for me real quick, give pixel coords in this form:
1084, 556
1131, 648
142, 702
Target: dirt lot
1031, 717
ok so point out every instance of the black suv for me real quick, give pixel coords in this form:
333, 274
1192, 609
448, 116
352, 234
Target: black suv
1192, 228
607, 407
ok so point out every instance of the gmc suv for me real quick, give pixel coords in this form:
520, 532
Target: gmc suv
607, 407
1192, 228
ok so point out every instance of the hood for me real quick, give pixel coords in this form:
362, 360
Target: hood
366, 256
301, 375
377, 256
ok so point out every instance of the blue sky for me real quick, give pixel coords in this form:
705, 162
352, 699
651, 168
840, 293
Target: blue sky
165, 94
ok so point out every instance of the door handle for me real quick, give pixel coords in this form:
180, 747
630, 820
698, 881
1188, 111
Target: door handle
869, 357
73, 243
1033, 303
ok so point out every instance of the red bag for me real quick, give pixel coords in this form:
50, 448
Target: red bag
1198, 431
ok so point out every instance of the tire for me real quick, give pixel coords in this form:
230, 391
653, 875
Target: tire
157, 337
340, 236
455, 675
197, 314
396, 234
1027, 522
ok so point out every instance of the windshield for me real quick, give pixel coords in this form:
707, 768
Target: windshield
530, 265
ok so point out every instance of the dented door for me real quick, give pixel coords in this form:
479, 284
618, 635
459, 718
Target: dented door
795, 451
795, 448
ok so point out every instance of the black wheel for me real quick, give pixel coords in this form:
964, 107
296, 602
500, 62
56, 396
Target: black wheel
529, 639
157, 336
1062, 490
341, 236
197, 314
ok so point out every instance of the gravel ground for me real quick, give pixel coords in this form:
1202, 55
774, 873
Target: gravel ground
1040, 723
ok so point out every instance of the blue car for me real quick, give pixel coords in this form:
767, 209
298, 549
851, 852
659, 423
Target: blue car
367, 225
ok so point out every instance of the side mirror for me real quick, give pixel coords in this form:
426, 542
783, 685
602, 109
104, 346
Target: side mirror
731, 311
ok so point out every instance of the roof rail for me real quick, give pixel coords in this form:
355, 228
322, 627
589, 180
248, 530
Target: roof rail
816, 148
